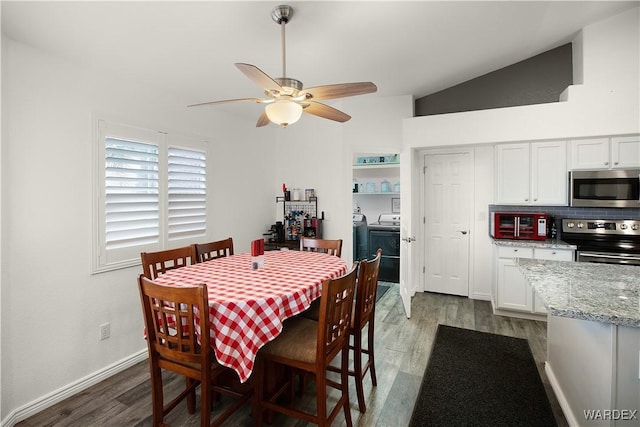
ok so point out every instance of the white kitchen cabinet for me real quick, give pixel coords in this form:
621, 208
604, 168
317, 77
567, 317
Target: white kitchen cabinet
512, 291
512, 180
532, 173
619, 152
549, 179
625, 152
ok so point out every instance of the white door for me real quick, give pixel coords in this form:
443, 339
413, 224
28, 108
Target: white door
447, 202
407, 261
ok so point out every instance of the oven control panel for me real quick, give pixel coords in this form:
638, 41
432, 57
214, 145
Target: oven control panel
601, 226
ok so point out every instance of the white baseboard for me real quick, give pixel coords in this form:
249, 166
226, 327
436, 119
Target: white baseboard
57, 396
480, 296
564, 404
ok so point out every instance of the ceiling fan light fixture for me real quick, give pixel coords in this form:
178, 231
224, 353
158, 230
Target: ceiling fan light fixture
283, 112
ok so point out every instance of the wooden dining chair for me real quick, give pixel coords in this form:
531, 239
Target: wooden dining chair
174, 344
364, 313
156, 263
213, 250
332, 247
310, 346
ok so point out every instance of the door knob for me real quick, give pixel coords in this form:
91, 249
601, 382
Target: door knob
408, 239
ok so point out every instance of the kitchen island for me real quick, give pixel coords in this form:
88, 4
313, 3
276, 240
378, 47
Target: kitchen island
593, 338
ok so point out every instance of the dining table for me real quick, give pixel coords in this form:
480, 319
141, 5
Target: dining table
247, 306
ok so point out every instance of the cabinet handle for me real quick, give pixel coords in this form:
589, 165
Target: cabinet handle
535, 200
526, 200
616, 163
606, 163
515, 250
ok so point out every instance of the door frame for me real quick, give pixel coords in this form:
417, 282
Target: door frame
421, 209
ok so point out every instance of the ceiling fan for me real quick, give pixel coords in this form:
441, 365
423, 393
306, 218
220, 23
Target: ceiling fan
285, 97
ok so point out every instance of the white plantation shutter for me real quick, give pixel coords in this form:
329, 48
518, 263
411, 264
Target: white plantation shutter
151, 193
131, 194
187, 193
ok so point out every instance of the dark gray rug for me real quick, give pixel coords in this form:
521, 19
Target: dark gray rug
382, 289
481, 379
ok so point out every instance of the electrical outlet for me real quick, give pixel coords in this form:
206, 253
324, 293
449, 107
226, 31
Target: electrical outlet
105, 331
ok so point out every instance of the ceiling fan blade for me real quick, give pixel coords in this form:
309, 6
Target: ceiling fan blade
263, 120
326, 112
341, 90
259, 77
227, 101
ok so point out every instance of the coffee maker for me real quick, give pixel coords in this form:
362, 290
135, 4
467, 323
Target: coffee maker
277, 232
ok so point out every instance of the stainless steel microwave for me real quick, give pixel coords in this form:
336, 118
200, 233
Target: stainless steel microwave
605, 188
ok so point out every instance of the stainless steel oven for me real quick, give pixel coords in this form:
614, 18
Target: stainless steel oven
611, 241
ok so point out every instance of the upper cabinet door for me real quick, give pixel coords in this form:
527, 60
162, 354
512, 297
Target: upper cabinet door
590, 153
625, 152
549, 177
512, 175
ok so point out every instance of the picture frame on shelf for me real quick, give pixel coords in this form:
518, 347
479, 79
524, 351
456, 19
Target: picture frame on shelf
309, 193
395, 205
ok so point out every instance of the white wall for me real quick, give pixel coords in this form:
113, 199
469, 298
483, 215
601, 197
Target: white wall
51, 305
606, 103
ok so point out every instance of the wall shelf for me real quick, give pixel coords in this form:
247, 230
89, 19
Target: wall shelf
378, 193
376, 165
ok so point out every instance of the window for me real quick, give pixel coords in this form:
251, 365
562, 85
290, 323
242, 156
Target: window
151, 193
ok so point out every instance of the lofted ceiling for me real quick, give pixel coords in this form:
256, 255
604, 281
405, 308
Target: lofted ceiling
405, 48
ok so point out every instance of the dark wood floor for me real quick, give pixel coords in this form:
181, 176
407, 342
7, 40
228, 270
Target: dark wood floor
402, 352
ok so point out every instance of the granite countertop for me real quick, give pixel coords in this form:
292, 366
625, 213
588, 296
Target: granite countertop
544, 244
606, 293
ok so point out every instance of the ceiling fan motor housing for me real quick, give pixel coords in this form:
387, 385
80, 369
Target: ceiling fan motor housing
282, 13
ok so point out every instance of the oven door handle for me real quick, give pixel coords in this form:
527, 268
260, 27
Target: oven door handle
595, 255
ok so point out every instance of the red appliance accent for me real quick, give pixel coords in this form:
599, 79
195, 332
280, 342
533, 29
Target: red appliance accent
525, 226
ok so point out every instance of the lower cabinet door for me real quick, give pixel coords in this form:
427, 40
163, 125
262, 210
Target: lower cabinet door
514, 293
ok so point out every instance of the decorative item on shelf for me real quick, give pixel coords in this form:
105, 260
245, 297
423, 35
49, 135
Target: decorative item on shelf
286, 192
296, 194
385, 186
395, 204
396, 187
376, 160
370, 187
309, 193
257, 254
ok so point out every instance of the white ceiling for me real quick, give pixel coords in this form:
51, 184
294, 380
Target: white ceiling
189, 48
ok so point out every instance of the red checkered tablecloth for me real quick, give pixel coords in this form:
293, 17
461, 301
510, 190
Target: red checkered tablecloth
246, 306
